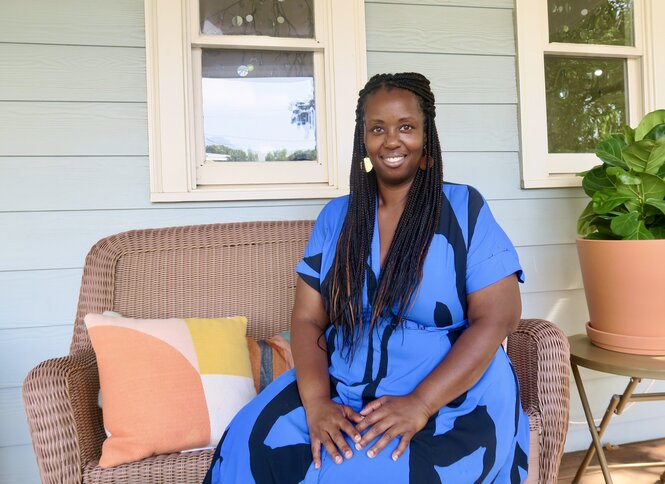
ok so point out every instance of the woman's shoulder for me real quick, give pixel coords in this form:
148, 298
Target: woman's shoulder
334, 211
460, 193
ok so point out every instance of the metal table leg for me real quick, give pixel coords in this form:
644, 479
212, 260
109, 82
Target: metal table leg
592, 428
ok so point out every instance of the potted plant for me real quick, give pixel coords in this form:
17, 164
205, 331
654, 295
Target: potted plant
622, 239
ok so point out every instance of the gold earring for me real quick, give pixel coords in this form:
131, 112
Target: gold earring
367, 164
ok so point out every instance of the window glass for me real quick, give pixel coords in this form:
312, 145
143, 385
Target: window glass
258, 106
606, 22
274, 18
585, 96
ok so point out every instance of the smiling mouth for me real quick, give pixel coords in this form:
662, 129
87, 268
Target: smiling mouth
393, 160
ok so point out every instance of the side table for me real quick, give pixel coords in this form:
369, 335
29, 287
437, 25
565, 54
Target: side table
584, 353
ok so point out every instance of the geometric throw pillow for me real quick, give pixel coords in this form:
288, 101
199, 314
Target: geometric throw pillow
168, 384
270, 358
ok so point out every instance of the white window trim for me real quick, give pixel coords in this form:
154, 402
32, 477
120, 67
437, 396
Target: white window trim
646, 64
174, 114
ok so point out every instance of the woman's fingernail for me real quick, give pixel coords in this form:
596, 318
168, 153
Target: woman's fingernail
316, 465
348, 454
370, 454
395, 457
359, 447
338, 460
357, 438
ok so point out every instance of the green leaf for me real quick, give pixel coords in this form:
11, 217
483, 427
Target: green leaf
596, 179
659, 204
623, 176
585, 221
656, 158
633, 193
648, 122
605, 201
609, 150
652, 187
637, 155
656, 132
629, 134
658, 232
630, 227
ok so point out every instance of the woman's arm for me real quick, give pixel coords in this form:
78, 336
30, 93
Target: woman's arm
326, 419
493, 313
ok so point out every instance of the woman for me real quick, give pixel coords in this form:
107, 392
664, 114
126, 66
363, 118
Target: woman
406, 290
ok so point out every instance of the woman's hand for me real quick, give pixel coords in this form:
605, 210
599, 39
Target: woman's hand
391, 417
327, 422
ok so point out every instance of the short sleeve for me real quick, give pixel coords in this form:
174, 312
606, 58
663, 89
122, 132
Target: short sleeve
310, 266
491, 255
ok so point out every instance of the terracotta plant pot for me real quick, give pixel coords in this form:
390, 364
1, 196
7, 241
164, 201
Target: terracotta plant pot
624, 283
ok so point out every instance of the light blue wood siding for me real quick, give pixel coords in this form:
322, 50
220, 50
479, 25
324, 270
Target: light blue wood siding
74, 168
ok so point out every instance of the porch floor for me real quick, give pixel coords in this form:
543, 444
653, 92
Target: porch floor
648, 451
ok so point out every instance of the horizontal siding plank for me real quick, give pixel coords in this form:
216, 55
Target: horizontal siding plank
439, 29
38, 298
18, 465
78, 22
73, 129
13, 421
550, 268
539, 221
496, 175
458, 79
566, 309
477, 128
96, 183
34, 72
22, 349
457, 3
57, 240
71, 234
74, 183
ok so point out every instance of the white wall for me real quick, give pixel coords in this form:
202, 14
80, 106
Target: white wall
74, 168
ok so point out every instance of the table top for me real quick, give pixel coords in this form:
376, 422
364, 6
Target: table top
584, 353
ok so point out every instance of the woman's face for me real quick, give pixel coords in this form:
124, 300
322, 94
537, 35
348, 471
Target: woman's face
394, 135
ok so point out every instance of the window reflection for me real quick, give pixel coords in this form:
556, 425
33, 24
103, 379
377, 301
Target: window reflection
275, 18
605, 22
258, 106
586, 97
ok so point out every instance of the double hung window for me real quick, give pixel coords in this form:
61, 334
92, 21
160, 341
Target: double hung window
252, 99
586, 68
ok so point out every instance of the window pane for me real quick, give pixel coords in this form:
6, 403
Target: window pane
586, 99
258, 106
607, 22
274, 18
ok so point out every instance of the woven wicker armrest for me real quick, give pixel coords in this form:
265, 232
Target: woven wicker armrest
540, 355
60, 398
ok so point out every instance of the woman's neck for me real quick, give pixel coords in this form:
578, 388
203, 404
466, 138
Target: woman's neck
393, 197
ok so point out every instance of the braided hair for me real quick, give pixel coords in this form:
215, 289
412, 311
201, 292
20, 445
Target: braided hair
403, 266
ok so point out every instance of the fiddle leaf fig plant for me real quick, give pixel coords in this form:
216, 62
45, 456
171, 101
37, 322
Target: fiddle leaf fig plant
628, 189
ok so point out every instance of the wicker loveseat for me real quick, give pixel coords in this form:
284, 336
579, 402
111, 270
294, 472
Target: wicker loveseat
217, 270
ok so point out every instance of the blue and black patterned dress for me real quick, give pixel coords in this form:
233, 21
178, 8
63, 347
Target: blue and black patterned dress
481, 436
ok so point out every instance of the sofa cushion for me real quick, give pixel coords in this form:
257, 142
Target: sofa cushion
169, 384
